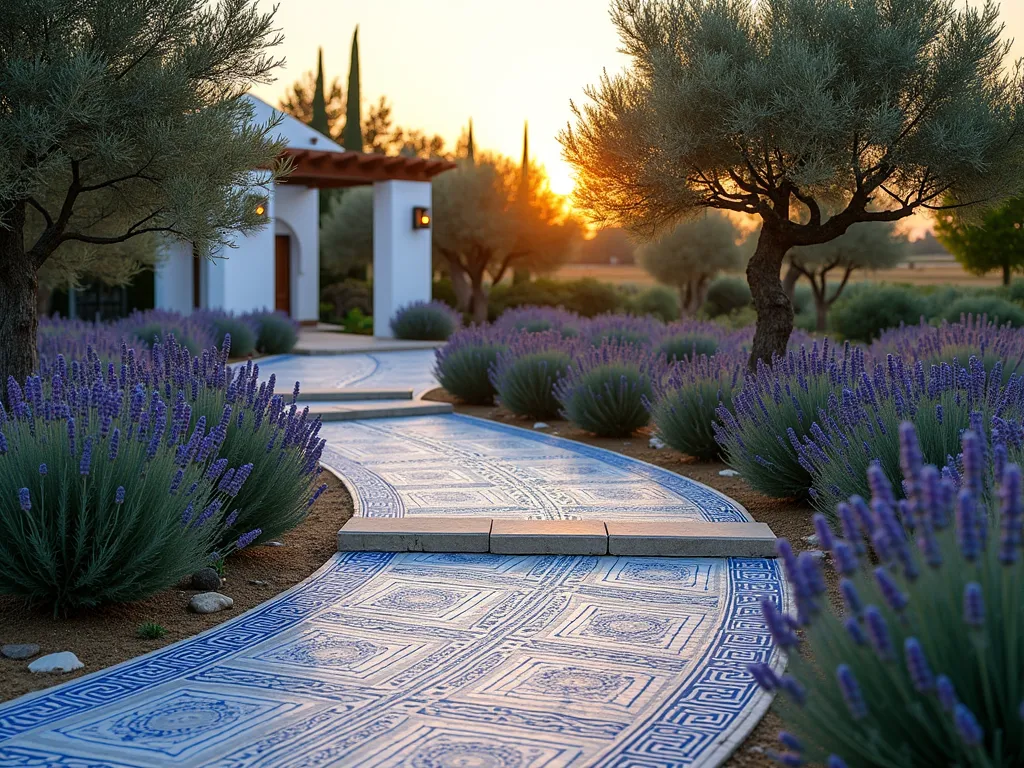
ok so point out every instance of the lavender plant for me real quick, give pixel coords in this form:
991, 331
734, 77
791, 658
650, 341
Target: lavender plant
924, 663
974, 335
524, 374
689, 339
536, 319
257, 427
276, 333
463, 365
425, 321
760, 434
606, 389
101, 498
859, 428
683, 411
623, 329
155, 325
241, 328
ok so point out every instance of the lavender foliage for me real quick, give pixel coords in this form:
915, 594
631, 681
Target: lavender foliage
425, 321
687, 397
605, 389
463, 365
920, 669
525, 373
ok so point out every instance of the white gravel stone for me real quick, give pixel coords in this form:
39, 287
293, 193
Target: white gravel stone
728, 473
65, 661
541, 425
210, 602
656, 443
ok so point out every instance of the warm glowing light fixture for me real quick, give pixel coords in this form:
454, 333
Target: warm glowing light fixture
261, 209
420, 218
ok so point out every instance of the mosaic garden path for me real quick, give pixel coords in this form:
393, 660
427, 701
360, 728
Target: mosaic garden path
448, 661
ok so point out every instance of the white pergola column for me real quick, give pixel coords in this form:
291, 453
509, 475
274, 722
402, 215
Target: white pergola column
401, 254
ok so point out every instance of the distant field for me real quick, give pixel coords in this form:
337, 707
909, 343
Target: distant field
926, 271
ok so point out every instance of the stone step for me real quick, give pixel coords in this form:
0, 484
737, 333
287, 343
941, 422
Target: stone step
350, 394
556, 537
376, 409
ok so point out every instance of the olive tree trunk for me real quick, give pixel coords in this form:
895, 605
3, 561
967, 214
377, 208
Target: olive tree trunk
774, 309
18, 285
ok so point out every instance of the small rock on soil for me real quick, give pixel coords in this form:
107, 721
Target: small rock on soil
210, 602
19, 650
65, 661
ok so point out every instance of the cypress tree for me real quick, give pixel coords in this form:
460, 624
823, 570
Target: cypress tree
470, 153
352, 135
319, 118
522, 275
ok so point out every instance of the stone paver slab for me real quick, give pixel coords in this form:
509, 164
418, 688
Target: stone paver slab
415, 534
350, 394
382, 409
688, 539
549, 537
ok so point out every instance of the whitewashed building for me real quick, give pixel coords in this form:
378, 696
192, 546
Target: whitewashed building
278, 267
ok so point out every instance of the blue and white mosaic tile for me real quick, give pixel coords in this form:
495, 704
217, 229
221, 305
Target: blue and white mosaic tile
411, 369
459, 465
447, 661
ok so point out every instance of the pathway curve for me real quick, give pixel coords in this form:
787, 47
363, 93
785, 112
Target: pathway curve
448, 661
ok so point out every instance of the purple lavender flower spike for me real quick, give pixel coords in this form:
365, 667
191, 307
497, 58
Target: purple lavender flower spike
24, 499
967, 526
878, 633
1012, 514
971, 732
851, 597
835, 761
85, 464
844, 558
811, 571
917, 666
893, 595
247, 538
824, 531
115, 443
974, 605
230, 519
789, 759
764, 676
119, 495
852, 695
946, 693
780, 630
854, 631
789, 741
43, 469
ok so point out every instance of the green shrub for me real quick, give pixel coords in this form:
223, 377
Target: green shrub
463, 365
923, 663
101, 499
999, 311
524, 375
1015, 291
606, 389
150, 630
761, 433
938, 301
686, 346
277, 333
356, 322
657, 301
589, 297
240, 329
425, 321
864, 314
345, 296
684, 412
726, 294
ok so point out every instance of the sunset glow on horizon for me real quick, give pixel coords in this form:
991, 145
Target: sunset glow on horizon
442, 63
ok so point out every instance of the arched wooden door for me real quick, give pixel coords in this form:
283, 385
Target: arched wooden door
283, 274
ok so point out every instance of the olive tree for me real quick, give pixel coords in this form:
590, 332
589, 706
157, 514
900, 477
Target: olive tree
691, 254
121, 120
862, 246
790, 109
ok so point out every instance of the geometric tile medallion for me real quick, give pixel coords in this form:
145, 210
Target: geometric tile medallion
436, 661
424, 660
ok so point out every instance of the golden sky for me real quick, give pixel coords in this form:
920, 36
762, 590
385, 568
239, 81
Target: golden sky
440, 62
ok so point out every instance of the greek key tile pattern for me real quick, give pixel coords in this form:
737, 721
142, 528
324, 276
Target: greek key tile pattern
442, 660
459, 465
381, 370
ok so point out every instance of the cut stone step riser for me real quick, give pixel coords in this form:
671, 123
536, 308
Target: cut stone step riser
364, 414
556, 537
350, 394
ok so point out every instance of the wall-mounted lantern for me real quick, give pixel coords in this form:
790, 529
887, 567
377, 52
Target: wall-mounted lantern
261, 209
420, 218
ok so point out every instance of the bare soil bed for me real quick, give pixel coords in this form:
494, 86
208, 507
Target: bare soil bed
788, 519
106, 636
